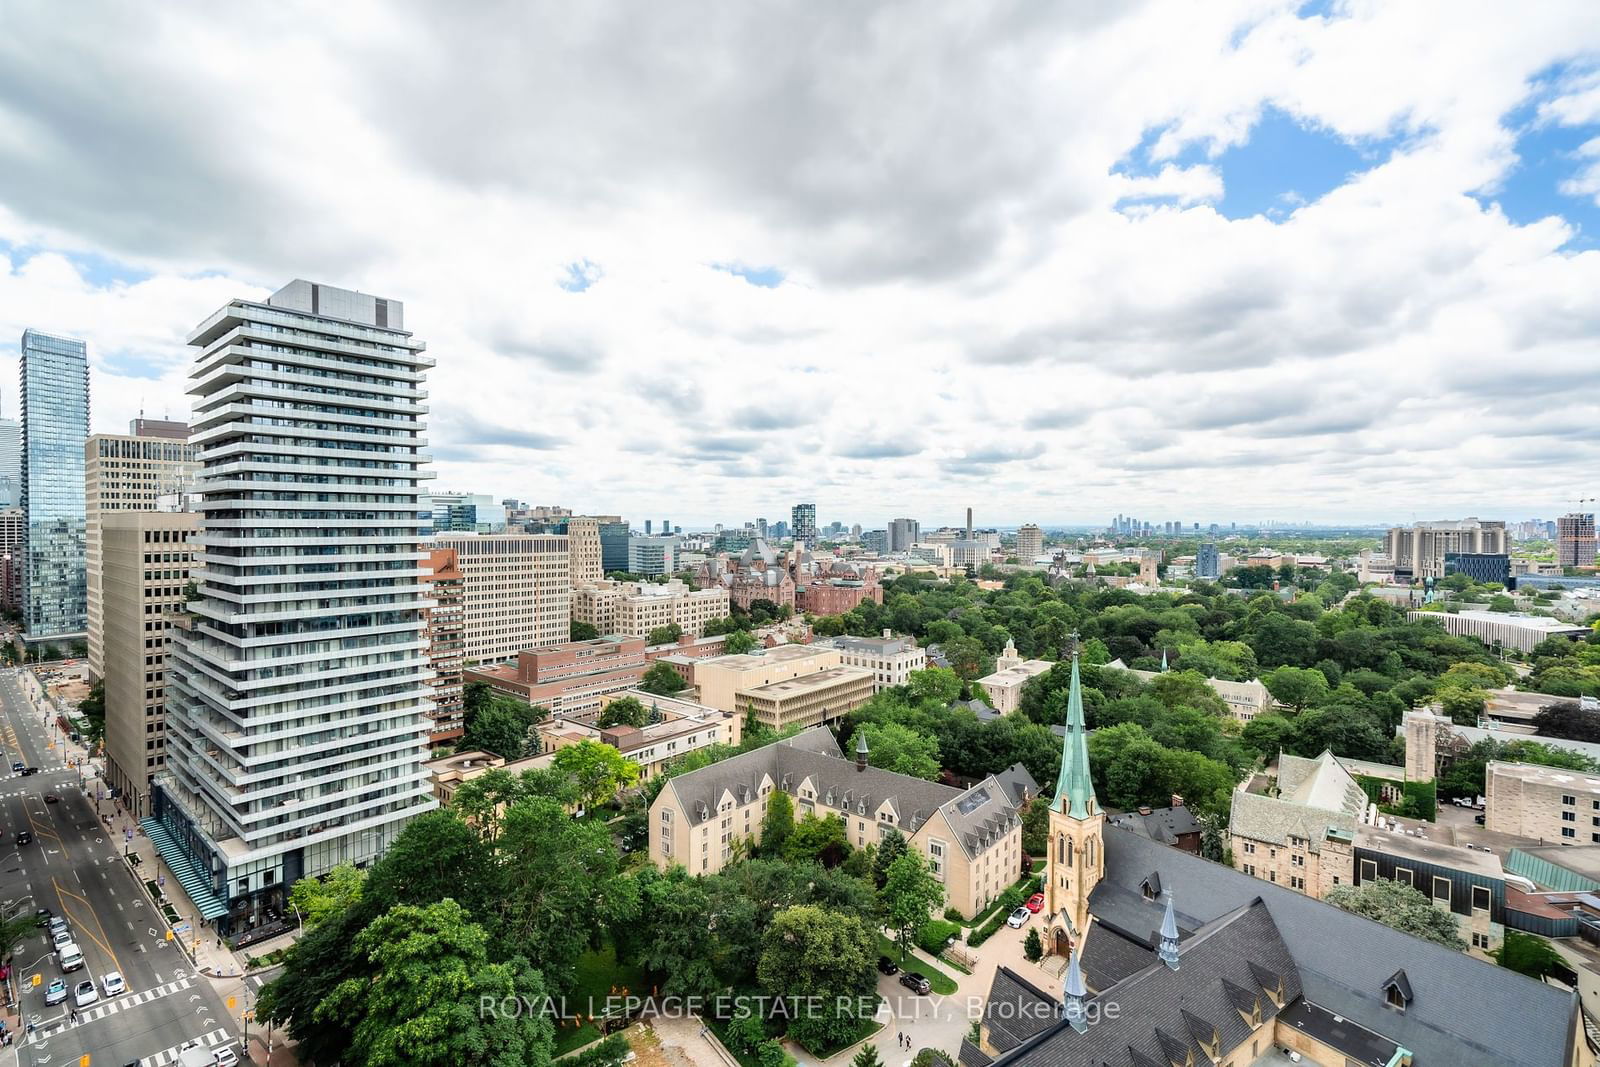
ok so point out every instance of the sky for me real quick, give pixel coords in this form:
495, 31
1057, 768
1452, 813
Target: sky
1238, 260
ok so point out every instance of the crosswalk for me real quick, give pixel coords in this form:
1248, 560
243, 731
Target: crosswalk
170, 1055
112, 1006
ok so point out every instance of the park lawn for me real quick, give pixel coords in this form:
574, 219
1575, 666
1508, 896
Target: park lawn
599, 976
940, 982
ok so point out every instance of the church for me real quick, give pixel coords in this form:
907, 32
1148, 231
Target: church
1176, 961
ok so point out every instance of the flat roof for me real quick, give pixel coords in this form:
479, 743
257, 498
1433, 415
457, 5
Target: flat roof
1428, 850
1527, 622
749, 661
1577, 781
820, 680
1029, 668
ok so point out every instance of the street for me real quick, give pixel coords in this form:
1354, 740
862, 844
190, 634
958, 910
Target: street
74, 867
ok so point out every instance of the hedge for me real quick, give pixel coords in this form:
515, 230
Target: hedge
987, 930
934, 933
607, 1052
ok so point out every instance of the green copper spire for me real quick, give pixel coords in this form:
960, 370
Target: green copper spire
1074, 791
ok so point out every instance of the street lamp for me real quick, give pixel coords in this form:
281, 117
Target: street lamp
298, 918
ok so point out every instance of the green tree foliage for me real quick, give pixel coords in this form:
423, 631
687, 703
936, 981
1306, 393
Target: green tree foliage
809, 952
416, 1002
890, 848
1033, 945
314, 899
623, 711
93, 710
909, 895
12, 933
436, 856
1465, 776
1400, 907
662, 680
497, 723
738, 643
818, 840
1564, 719
867, 1056
777, 823
1296, 687
664, 635
582, 631
899, 749
1530, 955
597, 769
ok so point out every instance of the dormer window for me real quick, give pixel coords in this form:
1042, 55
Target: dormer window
1397, 991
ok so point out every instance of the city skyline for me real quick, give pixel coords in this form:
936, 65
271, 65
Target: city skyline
1325, 286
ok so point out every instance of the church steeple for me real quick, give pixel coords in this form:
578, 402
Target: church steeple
1074, 789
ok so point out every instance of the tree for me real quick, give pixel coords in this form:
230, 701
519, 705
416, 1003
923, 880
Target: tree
582, 631
437, 855
777, 825
420, 1002
1464, 706
1400, 907
498, 728
314, 899
661, 679
818, 841
908, 897
867, 1056
1296, 687
899, 749
1033, 946
598, 770
624, 711
738, 643
12, 933
314, 966
965, 656
890, 848
809, 952
1565, 719
1530, 955
664, 635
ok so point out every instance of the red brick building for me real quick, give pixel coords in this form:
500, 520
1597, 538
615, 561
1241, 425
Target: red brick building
569, 677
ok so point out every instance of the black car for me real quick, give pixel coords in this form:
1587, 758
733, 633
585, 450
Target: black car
24, 837
43, 915
887, 966
1478, 819
29, 770
916, 983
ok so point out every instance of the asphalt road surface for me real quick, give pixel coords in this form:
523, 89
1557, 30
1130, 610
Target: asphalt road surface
74, 867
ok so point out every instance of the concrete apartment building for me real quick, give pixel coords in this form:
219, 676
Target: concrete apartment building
445, 628
1011, 673
583, 538
127, 473
146, 560
676, 727
1575, 540
633, 609
785, 686
1298, 831
516, 592
1030, 543
569, 678
1418, 551
13, 545
891, 659
1507, 629
972, 838
901, 534
298, 702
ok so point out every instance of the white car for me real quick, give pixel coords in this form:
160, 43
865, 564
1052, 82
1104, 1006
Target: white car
70, 957
1018, 917
111, 984
62, 937
85, 993
226, 1056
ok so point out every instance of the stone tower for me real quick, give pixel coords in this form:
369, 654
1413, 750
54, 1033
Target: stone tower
1077, 857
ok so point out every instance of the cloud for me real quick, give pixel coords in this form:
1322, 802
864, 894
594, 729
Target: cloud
870, 448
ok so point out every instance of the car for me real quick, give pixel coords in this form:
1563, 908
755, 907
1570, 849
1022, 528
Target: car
84, 993
111, 983
29, 770
51, 798
56, 991
44, 915
17, 765
1018, 917
916, 983
887, 966
61, 937
70, 958
57, 923
194, 1054
24, 837
1035, 903
226, 1056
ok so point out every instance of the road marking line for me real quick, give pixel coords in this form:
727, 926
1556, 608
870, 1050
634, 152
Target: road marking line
103, 935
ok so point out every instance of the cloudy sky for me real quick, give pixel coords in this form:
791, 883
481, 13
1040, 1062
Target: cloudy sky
1201, 261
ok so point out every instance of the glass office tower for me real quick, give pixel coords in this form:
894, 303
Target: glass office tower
55, 425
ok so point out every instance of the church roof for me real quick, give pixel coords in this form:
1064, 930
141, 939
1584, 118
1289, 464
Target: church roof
1074, 790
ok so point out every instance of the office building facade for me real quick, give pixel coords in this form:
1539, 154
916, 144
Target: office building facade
146, 560
467, 513
583, 542
516, 592
614, 537
803, 518
1575, 540
652, 556
10, 463
298, 698
1030, 543
13, 548
126, 473
1479, 566
55, 424
903, 533
1207, 563
1419, 550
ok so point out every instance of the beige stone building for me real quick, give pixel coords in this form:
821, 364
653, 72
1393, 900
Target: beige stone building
146, 559
1547, 804
890, 659
812, 700
1298, 830
447, 773
1011, 673
1030, 543
516, 592
126, 472
633, 609
583, 535
676, 727
787, 684
972, 838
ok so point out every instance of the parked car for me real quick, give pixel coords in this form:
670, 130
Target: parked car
226, 1056
29, 770
57, 923
916, 983
43, 915
887, 966
85, 993
70, 957
17, 765
61, 937
51, 798
24, 837
111, 983
56, 991
1018, 917
1035, 903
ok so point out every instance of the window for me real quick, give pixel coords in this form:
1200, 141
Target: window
1369, 870
1296, 882
1394, 998
1569, 816
1404, 877
1297, 861
1441, 889
1568, 799
1480, 898
1480, 940
1567, 831
936, 858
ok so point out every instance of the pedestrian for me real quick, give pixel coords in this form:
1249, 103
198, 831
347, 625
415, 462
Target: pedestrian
74, 1016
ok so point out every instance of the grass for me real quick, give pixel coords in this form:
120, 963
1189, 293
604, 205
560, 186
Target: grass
599, 976
867, 1029
941, 983
573, 1037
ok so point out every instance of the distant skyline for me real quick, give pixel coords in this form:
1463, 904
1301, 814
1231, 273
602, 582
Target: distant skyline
1331, 261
